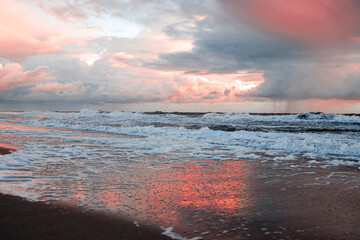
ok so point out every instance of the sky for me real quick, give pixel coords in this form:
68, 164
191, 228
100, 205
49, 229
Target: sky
186, 55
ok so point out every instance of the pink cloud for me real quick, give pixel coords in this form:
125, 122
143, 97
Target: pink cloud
15, 47
215, 88
23, 33
13, 75
303, 20
120, 59
57, 87
70, 11
26, 31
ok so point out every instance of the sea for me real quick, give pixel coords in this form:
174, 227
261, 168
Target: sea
195, 175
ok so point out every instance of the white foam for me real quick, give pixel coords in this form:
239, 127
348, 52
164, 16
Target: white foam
169, 232
290, 157
178, 141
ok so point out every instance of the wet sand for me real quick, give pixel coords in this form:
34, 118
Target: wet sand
21, 219
208, 199
296, 209
5, 149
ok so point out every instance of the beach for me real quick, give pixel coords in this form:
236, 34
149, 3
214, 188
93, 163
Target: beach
323, 212
21, 219
5, 149
183, 120
104, 179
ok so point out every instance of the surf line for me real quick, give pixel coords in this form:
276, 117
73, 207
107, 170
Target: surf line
7, 149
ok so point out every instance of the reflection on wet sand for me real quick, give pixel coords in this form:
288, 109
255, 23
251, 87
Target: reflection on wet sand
190, 196
207, 198
15, 126
7, 146
14, 135
6, 149
227, 199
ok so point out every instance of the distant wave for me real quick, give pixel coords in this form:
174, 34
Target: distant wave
276, 137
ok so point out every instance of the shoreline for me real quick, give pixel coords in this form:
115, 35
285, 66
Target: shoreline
6, 149
217, 196
22, 219
313, 212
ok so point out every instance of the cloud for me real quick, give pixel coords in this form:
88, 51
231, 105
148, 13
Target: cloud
307, 21
12, 75
220, 48
139, 10
213, 88
23, 33
58, 87
311, 80
98, 84
186, 52
120, 59
291, 69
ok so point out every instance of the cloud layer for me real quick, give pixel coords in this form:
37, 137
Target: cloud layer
309, 21
119, 53
13, 75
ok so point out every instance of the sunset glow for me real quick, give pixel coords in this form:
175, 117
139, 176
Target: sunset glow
188, 189
186, 119
311, 21
117, 56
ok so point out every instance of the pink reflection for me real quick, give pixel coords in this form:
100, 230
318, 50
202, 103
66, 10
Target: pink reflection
78, 195
110, 198
6, 148
22, 127
220, 193
176, 196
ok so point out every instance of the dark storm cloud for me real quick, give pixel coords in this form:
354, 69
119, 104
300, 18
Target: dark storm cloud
224, 49
291, 70
310, 80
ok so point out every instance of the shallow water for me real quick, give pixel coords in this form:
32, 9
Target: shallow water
210, 183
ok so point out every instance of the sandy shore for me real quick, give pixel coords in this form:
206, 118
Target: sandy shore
5, 149
316, 212
21, 219
214, 200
